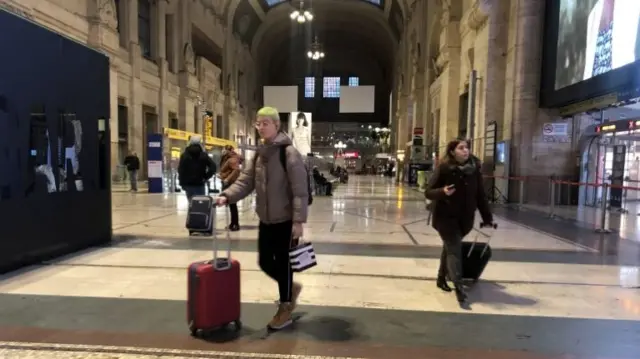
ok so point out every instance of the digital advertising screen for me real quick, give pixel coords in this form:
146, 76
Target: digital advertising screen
595, 37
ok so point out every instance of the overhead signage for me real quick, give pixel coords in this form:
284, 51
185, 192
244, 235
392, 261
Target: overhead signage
209, 140
616, 126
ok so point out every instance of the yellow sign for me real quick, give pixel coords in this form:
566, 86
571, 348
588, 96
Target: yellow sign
208, 126
608, 128
208, 140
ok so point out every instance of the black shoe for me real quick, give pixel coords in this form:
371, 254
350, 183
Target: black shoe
461, 295
442, 284
234, 227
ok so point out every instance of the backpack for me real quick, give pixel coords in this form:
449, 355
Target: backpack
283, 162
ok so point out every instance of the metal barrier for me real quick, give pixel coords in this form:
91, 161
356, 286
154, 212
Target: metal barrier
559, 198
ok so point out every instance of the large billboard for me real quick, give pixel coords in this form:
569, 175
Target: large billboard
591, 48
595, 37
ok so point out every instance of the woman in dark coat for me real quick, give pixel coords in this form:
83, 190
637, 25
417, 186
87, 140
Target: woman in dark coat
456, 189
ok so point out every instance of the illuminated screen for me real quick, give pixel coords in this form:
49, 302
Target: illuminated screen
595, 37
500, 153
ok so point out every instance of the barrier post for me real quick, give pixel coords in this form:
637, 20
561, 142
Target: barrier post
603, 211
552, 195
521, 195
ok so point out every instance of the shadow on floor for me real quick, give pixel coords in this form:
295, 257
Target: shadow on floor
495, 294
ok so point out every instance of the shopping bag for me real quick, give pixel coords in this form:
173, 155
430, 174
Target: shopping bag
302, 257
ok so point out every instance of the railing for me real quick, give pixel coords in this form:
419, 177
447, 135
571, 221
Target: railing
603, 206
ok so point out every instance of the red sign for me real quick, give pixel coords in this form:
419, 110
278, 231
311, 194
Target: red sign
419, 131
348, 154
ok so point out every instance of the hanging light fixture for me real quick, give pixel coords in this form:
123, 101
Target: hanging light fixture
315, 52
301, 14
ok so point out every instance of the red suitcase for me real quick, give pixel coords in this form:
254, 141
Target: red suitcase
213, 298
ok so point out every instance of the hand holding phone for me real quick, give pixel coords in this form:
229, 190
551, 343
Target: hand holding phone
449, 190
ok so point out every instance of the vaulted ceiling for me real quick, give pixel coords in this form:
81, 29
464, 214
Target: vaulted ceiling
352, 32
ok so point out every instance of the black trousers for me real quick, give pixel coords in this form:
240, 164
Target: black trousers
274, 242
451, 257
233, 210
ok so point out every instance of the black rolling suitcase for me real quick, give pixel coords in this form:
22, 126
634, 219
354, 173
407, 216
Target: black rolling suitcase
201, 215
476, 256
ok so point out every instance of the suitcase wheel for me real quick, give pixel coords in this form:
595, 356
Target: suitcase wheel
237, 325
190, 233
193, 330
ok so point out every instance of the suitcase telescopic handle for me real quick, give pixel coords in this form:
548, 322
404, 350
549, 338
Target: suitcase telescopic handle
475, 240
226, 263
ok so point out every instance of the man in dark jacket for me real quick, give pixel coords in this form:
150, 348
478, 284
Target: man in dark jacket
132, 162
195, 168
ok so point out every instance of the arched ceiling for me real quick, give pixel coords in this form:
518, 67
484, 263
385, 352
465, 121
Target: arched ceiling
346, 28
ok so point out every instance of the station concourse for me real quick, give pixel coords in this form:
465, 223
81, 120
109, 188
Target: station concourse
372, 295
99, 99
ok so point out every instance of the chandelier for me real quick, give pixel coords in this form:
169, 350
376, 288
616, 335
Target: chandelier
301, 15
315, 52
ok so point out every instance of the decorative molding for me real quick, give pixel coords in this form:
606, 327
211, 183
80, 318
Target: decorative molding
476, 16
106, 14
442, 61
189, 59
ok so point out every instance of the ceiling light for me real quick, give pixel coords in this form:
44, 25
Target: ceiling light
315, 52
301, 13
308, 15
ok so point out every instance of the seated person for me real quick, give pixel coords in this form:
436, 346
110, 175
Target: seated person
322, 183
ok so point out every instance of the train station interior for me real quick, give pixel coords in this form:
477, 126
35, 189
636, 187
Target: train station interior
101, 100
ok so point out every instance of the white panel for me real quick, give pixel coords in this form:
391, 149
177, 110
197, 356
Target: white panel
300, 131
357, 99
284, 98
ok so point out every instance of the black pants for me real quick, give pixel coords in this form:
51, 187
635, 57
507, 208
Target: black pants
451, 257
274, 242
233, 210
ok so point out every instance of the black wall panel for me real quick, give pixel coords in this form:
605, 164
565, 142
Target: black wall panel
55, 188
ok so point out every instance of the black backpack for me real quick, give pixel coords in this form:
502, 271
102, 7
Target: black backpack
283, 162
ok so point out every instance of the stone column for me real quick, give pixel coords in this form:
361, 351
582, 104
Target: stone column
136, 132
187, 80
449, 62
103, 35
160, 11
494, 17
528, 50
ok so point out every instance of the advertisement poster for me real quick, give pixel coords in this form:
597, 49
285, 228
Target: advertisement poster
300, 131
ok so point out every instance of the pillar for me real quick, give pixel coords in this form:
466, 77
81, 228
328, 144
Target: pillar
449, 61
103, 35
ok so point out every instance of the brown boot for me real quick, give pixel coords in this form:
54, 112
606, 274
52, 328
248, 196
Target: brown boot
295, 294
282, 319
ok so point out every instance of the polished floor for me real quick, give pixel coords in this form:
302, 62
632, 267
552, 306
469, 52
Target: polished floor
551, 291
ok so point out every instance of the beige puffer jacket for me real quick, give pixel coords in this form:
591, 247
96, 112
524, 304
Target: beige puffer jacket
280, 195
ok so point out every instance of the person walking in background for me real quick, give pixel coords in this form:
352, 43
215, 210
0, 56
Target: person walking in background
279, 176
132, 163
195, 168
457, 190
229, 172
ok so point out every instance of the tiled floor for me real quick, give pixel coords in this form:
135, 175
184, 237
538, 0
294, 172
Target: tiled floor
371, 296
